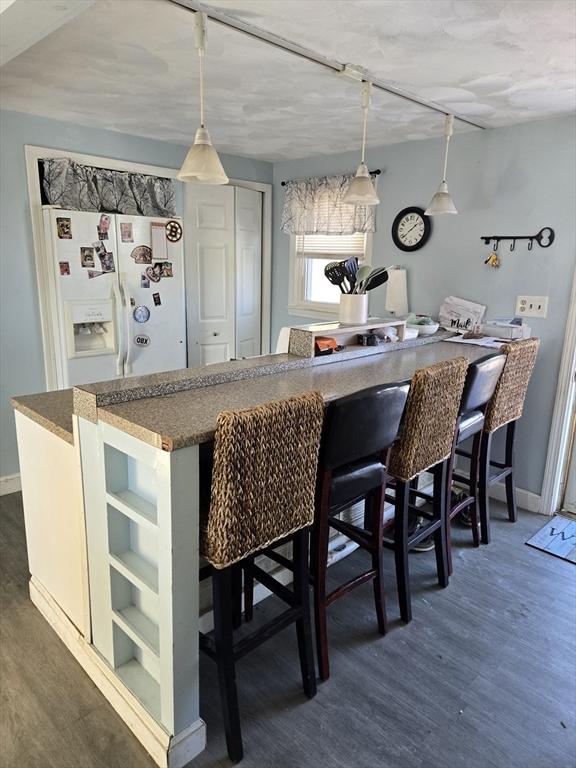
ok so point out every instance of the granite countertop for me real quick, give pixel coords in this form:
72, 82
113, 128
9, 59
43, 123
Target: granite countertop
185, 418
52, 410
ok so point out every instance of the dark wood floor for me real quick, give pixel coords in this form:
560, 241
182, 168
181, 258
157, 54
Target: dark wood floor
484, 677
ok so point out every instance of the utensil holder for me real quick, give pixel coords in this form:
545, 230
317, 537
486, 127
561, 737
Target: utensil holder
353, 308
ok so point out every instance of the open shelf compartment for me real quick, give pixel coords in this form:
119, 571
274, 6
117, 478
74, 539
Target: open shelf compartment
138, 670
130, 486
133, 551
136, 612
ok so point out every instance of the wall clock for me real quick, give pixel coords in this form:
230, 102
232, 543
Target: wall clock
411, 229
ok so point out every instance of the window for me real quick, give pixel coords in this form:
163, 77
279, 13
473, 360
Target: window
310, 292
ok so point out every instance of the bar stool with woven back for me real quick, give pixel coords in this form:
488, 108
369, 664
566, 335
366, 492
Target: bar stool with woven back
482, 378
424, 445
358, 432
504, 410
261, 491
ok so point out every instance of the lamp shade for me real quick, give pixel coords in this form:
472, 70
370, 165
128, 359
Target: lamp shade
441, 203
361, 189
202, 164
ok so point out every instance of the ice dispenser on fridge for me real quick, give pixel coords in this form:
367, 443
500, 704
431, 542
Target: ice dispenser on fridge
90, 327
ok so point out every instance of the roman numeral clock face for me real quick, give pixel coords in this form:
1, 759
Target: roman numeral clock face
411, 229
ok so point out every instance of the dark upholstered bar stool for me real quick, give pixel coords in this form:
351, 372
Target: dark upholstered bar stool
262, 491
481, 380
424, 444
358, 432
504, 409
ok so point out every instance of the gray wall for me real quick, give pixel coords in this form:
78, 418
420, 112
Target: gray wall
510, 181
21, 360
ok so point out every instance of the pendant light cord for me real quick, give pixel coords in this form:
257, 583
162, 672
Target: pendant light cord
201, 60
448, 129
446, 158
364, 132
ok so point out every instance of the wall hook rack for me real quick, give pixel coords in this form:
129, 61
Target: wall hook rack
544, 238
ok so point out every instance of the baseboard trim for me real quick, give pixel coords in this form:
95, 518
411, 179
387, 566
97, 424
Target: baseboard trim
524, 499
10, 484
166, 750
527, 500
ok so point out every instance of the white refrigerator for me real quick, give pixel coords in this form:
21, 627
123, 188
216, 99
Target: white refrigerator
118, 304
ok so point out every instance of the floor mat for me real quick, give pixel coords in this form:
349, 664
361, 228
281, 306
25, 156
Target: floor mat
557, 537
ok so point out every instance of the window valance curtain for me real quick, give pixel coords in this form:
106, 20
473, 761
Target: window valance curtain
314, 207
80, 187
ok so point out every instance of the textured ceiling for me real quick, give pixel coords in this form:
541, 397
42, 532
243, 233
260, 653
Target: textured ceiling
130, 66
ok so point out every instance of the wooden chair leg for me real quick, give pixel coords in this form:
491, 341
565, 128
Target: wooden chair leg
484, 487
376, 502
248, 593
401, 550
320, 561
473, 488
300, 547
236, 595
448, 471
509, 480
223, 636
440, 511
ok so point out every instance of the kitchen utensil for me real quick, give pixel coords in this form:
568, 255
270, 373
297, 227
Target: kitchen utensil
361, 276
336, 274
376, 278
351, 268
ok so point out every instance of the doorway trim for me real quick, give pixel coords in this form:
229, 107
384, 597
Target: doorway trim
34, 153
557, 457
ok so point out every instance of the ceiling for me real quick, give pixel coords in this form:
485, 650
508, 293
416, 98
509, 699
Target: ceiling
117, 67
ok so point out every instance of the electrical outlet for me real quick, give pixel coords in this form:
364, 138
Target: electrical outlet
531, 306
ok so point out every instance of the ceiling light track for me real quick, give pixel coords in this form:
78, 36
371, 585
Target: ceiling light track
297, 50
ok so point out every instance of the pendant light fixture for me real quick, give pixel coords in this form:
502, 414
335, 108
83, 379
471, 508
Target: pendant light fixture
442, 203
361, 189
202, 164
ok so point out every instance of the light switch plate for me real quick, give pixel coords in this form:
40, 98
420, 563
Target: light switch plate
531, 306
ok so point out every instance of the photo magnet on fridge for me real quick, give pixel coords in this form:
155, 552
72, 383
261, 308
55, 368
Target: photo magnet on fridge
103, 227
64, 228
99, 247
165, 268
126, 233
154, 273
144, 281
87, 257
142, 254
64, 268
107, 262
156, 297
92, 274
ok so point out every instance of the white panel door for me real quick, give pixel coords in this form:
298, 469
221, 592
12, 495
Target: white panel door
210, 281
156, 291
248, 271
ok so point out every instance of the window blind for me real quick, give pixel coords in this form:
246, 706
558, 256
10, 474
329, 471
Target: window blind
336, 247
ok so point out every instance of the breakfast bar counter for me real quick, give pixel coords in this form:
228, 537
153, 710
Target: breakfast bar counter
127, 517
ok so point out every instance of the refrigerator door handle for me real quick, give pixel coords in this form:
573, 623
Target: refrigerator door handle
118, 297
128, 312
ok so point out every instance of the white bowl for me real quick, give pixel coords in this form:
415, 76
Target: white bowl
411, 332
428, 330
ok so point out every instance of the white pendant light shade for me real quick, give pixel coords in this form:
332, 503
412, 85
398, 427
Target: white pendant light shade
202, 164
361, 189
442, 203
